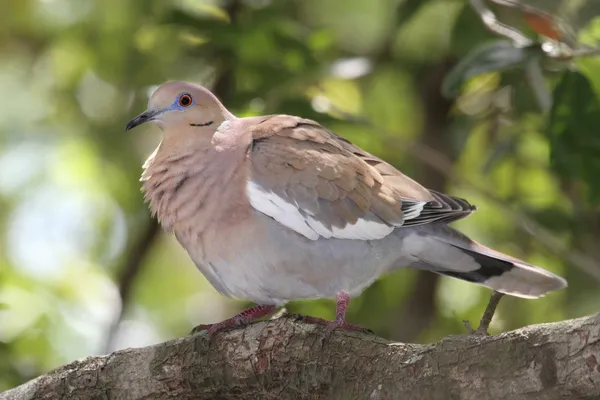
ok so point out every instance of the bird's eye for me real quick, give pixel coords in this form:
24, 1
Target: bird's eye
185, 100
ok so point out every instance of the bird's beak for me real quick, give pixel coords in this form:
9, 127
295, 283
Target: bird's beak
146, 116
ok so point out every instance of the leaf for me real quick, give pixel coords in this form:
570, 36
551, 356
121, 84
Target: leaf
491, 57
206, 25
407, 9
468, 32
590, 67
573, 130
540, 21
542, 24
537, 83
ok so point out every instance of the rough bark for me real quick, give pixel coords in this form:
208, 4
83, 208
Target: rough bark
284, 359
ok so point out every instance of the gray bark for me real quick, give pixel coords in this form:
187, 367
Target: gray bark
284, 359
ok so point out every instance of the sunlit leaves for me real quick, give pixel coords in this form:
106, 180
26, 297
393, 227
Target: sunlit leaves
491, 57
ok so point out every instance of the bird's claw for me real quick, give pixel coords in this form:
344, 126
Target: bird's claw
212, 329
333, 325
200, 328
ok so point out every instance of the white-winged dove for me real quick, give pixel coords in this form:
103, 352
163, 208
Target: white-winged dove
278, 208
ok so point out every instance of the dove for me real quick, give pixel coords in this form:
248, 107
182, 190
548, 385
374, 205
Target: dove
278, 208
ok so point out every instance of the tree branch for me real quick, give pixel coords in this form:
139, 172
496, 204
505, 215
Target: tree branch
284, 359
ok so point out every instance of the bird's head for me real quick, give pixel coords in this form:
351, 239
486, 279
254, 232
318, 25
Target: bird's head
182, 105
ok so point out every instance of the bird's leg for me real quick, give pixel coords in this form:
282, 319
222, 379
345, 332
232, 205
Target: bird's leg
488, 314
242, 318
342, 299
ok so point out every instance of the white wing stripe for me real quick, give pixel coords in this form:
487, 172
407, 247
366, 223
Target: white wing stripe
280, 210
290, 216
364, 229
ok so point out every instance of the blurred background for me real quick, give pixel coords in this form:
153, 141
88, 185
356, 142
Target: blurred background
507, 116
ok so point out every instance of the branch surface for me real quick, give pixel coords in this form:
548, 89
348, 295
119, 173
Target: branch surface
285, 359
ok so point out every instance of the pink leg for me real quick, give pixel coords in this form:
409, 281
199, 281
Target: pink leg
242, 318
342, 299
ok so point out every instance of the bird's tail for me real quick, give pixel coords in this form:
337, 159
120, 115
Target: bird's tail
449, 252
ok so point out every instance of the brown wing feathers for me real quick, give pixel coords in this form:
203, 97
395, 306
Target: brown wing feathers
328, 177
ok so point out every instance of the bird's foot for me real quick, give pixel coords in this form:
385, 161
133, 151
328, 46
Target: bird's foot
240, 319
211, 329
332, 325
342, 299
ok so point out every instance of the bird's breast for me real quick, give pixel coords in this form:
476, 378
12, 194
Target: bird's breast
198, 194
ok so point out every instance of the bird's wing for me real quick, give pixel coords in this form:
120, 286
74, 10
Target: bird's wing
321, 185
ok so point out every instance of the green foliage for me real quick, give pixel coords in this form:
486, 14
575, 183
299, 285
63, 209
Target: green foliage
72, 217
491, 57
573, 132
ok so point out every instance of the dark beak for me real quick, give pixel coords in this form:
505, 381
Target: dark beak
144, 117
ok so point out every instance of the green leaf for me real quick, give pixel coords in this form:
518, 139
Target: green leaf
206, 25
537, 83
407, 9
574, 132
590, 67
469, 32
491, 57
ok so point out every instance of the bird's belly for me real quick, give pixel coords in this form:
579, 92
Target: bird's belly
268, 264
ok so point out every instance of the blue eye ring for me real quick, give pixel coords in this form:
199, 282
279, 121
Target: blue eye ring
185, 100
